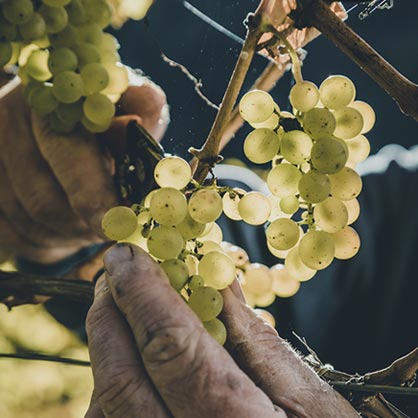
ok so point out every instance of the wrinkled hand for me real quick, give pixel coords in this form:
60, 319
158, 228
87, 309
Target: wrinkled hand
54, 189
152, 358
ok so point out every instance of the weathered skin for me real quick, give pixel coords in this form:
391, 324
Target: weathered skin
151, 356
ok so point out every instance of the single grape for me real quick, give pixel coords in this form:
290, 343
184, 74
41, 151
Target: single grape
95, 78
76, 12
98, 109
261, 145
283, 284
349, 122
33, 29
37, 65
256, 106
337, 91
230, 202
329, 155
119, 222
87, 54
358, 149
168, 206
206, 303
317, 249
319, 123
215, 234
216, 329
346, 184
258, 279
254, 208
314, 187
62, 59
296, 268
331, 215
304, 96
264, 300
289, 204
118, 78
165, 242
173, 172
65, 38
177, 272
367, 112
283, 180
283, 234
18, 11
56, 18
195, 282
68, 87
6, 52
189, 228
296, 147
205, 205
89, 34
353, 209
347, 243
43, 100
217, 270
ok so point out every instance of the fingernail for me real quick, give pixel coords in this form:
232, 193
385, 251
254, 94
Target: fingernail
120, 253
101, 287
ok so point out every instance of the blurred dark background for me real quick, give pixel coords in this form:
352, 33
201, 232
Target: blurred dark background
347, 312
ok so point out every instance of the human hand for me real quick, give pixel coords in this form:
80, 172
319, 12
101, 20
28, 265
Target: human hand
54, 189
151, 356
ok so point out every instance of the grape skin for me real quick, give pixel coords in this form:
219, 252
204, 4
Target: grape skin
256, 106
283, 234
296, 147
283, 180
206, 303
168, 206
331, 215
261, 145
317, 249
119, 222
347, 243
314, 187
165, 243
177, 272
304, 96
346, 184
173, 172
329, 155
296, 268
283, 284
254, 208
337, 91
217, 270
205, 205
216, 330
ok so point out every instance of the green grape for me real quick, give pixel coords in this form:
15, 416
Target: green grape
358, 149
337, 91
177, 272
216, 329
76, 12
329, 155
95, 78
347, 243
98, 12
283, 180
296, 268
314, 187
118, 79
206, 303
18, 11
62, 59
367, 112
98, 109
89, 34
195, 282
353, 209
119, 222
257, 279
109, 42
209, 246
37, 65
296, 147
56, 18
238, 256
217, 270
65, 38
256, 106
165, 242
304, 96
8, 31
283, 284
319, 123
283, 234
289, 204
317, 249
346, 184
205, 205
331, 215
87, 54
271, 123
173, 172
94, 127
254, 208
261, 145
6, 52
56, 3
215, 234
108, 56
68, 87
43, 100
189, 228
168, 206
35, 28
349, 122
230, 202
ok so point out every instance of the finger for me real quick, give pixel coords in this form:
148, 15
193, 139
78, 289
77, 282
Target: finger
194, 375
80, 168
34, 232
33, 182
122, 388
276, 368
94, 411
148, 101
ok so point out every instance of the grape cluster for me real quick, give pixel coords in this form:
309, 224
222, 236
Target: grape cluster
68, 65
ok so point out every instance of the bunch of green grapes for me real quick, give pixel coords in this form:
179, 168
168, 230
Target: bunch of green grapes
68, 65
313, 180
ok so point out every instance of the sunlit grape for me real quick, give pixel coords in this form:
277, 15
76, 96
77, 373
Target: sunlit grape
317, 249
283, 234
304, 96
254, 208
165, 242
337, 91
205, 205
353, 209
261, 145
206, 303
296, 268
283, 284
256, 106
329, 155
331, 215
173, 172
119, 222
358, 149
367, 112
347, 243
346, 184
349, 122
296, 147
314, 187
283, 180
168, 206
319, 123
217, 270
177, 272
